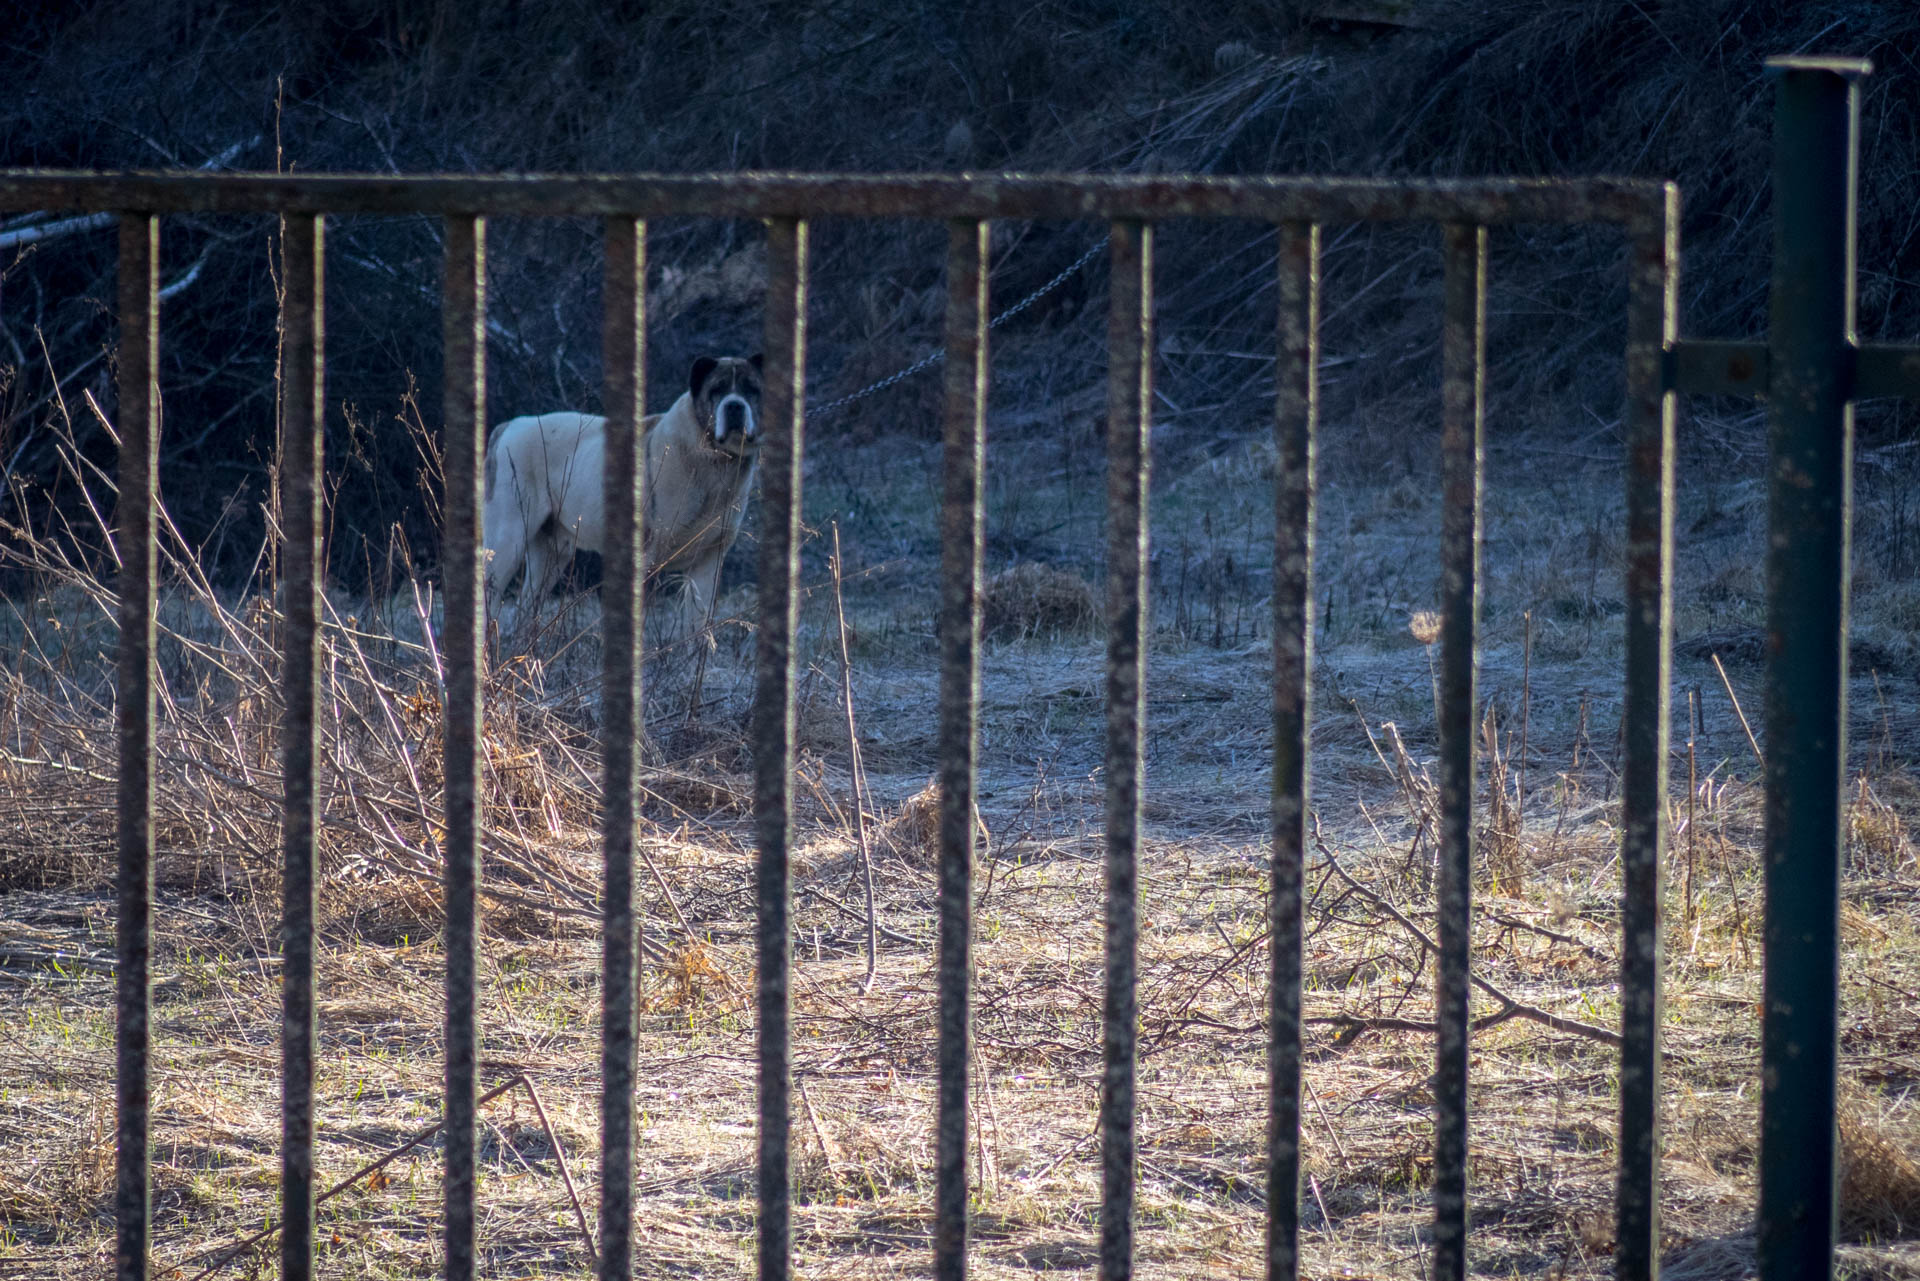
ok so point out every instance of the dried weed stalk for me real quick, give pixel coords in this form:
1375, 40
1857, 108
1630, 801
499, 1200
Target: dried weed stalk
216, 760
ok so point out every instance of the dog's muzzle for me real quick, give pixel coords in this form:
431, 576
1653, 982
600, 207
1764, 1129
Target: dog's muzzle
733, 416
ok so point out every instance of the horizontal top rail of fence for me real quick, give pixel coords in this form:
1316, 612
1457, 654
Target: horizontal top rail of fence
1486, 201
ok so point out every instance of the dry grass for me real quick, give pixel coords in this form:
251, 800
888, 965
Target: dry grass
1036, 601
1879, 1173
1544, 1108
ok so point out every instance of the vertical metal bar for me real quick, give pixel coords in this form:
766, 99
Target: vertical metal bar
1652, 325
623, 339
1296, 413
464, 435
1129, 408
303, 404
1810, 447
785, 405
1462, 400
961, 522
139, 397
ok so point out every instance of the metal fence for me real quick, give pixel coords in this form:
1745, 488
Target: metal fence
1810, 368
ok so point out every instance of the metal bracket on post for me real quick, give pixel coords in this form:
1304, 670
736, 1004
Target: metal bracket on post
1712, 367
1860, 371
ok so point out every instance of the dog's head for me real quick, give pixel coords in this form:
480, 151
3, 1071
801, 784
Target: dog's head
726, 402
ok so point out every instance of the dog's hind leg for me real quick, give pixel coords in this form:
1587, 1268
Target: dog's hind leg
503, 527
548, 553
505, 552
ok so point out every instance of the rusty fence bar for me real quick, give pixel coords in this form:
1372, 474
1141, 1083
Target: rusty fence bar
624, 345
1462, 400
1652, 318
1296, 413
784, 407
302, 411
135, 526
1129, 424
962, 523
464, 442
1810, 367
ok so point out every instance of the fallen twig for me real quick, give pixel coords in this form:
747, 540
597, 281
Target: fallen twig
856, 769
1175, 1019
1510, 1008
1515, 923
1079, 1143
566, 1175
829, 1150
1752, 742
892, 935
239, 1248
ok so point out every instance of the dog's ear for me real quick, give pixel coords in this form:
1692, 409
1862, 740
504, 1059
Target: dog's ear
702, 370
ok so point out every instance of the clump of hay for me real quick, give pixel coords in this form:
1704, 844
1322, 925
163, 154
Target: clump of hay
913, 833
1879, 1178
1036, 600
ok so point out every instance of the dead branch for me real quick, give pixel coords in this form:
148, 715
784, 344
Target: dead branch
1509, 1007
238, 1248
856, 767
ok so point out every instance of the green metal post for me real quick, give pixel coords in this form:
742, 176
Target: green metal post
1810, 444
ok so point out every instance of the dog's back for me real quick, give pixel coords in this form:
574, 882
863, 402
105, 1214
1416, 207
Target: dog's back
544, 494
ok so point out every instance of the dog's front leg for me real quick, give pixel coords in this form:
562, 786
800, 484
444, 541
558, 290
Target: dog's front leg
697, 601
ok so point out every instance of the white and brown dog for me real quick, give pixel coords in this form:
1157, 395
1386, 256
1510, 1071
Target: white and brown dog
546, 495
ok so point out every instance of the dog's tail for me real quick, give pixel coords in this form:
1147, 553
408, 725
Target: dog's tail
492, 436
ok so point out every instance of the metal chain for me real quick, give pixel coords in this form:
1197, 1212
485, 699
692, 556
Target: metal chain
939, 354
